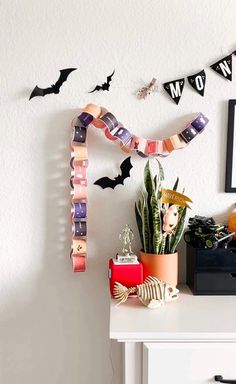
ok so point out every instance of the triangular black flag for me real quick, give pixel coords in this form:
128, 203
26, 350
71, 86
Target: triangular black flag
175, 89
224, 67
198, 82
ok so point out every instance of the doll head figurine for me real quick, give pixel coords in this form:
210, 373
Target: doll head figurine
170, 219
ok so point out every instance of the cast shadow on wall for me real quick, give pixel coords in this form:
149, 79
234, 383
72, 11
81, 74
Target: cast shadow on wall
61, 334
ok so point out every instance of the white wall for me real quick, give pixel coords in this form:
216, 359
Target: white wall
53, 323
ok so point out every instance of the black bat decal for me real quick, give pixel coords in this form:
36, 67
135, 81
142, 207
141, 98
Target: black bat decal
106, 182
105, 86
55, 88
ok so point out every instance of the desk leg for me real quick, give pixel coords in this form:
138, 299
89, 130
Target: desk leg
132, 363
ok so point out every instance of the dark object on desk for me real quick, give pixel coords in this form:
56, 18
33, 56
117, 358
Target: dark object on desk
212, 272
205, 233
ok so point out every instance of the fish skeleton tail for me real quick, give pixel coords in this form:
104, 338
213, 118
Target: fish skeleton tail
121, 293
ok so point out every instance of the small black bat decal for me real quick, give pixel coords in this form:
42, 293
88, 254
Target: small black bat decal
104, 86
106, 182
55, 88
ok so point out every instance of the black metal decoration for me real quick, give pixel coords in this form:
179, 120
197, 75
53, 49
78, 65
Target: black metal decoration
230, 179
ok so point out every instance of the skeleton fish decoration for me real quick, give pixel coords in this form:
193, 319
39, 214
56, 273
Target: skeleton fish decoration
153, 292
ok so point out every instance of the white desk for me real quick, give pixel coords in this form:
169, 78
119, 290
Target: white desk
199, 331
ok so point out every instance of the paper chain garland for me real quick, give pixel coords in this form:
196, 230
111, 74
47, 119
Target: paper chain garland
114, 131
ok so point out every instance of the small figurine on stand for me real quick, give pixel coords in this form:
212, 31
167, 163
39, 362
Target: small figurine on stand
127, 237
125, 267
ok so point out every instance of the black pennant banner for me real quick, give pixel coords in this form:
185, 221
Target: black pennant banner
198, 82
175, 89
224, 67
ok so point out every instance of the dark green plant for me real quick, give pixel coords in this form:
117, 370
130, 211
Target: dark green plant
149, 216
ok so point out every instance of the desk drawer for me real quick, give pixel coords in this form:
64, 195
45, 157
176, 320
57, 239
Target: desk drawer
188, 363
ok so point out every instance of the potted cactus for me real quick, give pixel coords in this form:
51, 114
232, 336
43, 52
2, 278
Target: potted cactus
161, 225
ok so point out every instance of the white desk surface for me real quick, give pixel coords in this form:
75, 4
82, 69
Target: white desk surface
190, 318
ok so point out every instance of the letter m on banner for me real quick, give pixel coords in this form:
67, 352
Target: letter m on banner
175, 89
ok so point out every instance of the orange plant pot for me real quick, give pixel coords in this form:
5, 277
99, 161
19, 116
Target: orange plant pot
164, 267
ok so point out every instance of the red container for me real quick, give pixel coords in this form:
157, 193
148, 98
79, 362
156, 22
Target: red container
128, 275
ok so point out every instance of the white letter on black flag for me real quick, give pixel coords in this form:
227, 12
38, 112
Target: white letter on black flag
224, 67
198, 82
175, 89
